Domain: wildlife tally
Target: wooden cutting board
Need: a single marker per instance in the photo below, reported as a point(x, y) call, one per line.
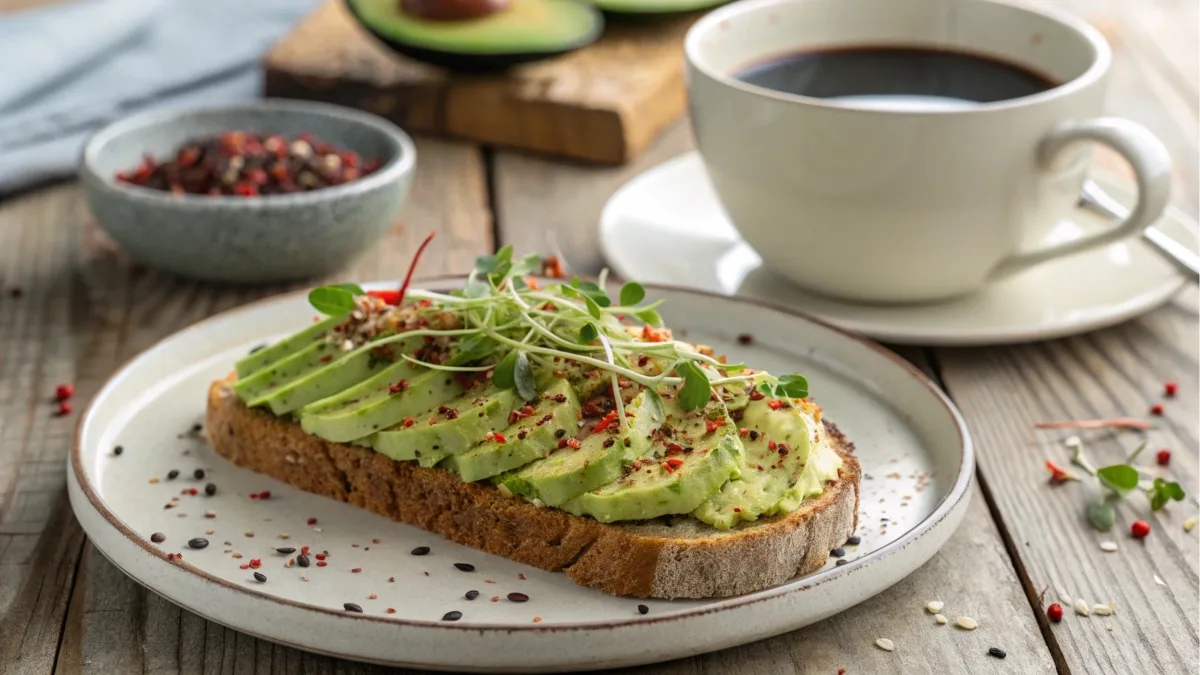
point(604, 103)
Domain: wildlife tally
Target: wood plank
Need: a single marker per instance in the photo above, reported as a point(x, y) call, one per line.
point(86, 309)
point(590, 104)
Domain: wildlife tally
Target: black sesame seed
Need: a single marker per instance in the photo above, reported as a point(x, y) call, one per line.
point(302, 560)
point(285, 550)
point(838, 552)
point(753, 435)
point(997, 652)
point(158, 537)
point(351, 607)
point(560, 433)
point(196, 428)
point(210, 489)
point(198, 542)
point(642, 609)
point(471, 595)
point(118, 450)
point(452, 616)
point(518, 597)
point(854, 541)
point(172, 474)
point(199, 474)
point(260, 577)
point(465, 567)
point(841, 561)
point(420, 550)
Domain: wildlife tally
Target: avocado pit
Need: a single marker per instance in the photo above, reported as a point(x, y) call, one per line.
point(452, 10)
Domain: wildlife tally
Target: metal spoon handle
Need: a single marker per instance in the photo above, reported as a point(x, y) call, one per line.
point(1096, 200)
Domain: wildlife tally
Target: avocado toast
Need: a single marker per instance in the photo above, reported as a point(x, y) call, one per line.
point(555, 426)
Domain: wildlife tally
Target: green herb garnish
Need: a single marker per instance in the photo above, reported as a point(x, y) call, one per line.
point(1115, 482)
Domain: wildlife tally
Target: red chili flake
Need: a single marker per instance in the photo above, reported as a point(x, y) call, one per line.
point(243, 566)
point(193, 491)
point(311, 521)
point(304, 550)
point(775, 404)
point(265, 494)
point(63, 392)
point(499, 438)
point(1170, 389)
point(674, 449)
point(756, 395)
point(737, 509)
point(1163, 457)
point(399, 387)
point(743, 432)
point(605, 422)
point(255, 563)
point(320, 556)
point(321, 563)
point(772, 445)
point(745, 339)
point(1058, 475)
point(327, 358)
point(1139, 529)
point(1156, 409)
point(552, 267)
point(356, 570)
point(573, 443)
point(408, 422)
point(712, 425)
point(841, 671)
point(671, 464)
point(389, 610)
point(64, 408)
point(562, 443)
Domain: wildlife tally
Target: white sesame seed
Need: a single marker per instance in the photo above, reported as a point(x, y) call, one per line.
point(966, 623)
point(1073, 442)
point(1102, 610)
point(1158, 580)
point(538, 503)
point(885, 644)
point(1108, 546)
point(934, 606)
point(941, 620)
point(1189, 524)
point(1081, 607)
point(503, 490)
point(1064, 597)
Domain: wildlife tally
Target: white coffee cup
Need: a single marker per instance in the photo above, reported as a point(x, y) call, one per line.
point(895, 203)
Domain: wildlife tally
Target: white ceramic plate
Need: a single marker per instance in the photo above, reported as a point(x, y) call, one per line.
point(912, 443)
point(667, 226)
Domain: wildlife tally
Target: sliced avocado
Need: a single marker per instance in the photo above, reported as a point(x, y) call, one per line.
point(688, 465)
point(777, 445)
point(464, 424)
point(368, 412)
point(503, 34)
point(654, 8)
point(555, 418)
point(265, 381)
point(334, 377)
point(568, 472)
point(261, 358)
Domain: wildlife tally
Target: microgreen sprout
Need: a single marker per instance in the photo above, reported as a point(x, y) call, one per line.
point(1117, 481)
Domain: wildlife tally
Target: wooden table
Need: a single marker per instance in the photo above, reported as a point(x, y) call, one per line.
point(84, 310)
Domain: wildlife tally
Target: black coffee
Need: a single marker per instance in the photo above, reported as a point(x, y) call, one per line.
point(907, 77)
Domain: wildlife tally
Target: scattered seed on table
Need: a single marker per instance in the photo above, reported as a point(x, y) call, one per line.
point(210, 514)
point(854, 540)
point(935, 606)
point(373, 596)
point(996, 652)
point(158, 537)
point(840, 562)
point(1108, 546)
point(199, 474)
point(838, 552)
point(210, 489)
point(237, 555)
point(452, 616)
point(1081, 607)
point(198, 542)
point(518, 597)
point(351, 607)
point(471, 595)
point(321, 563)
point(940, 619)
point(495, 598)
point(312, 521)
point(285, 550)
point(391, 611)
point(173, 474)
point(391, 580)
point(420, 550)
point(249, 533)
point(118, 450)
point(643, 609)
point(356, 570)
point(966, 623)
point(153, 480)
point(260, 577)
point(465, 567)
point(210, 532)
point(1102, 610)
point(1189, 524)
point(885, 644)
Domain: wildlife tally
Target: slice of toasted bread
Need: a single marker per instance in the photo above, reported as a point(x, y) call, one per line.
point(665, 558)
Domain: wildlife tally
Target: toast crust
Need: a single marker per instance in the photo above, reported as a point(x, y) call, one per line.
point(665, 558)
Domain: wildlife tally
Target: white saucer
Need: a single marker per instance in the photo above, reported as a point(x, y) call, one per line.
point(666, 226)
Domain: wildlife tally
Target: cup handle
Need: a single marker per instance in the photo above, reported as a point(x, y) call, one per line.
point(1151, 165)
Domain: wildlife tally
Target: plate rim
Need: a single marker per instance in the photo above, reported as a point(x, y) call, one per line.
point(1129, 308)
point(960, 489)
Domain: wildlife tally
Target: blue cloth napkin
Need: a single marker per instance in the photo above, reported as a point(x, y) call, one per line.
point(69, 69)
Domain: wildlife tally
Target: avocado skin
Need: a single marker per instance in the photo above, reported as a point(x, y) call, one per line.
point(637, 11)
point(481, 63)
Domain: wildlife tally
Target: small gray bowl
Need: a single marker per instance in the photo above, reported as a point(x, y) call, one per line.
point(247, 239)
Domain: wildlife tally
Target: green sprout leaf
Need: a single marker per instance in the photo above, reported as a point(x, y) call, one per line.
point(655, 408)
point(632, 293)
point(696, 389)
point(504, 376)
point(332, 300)
point(1162, 492)
point(592, 307)
point(354, 289)
point(649, 316)
point(523, 377)
point(1100, 514)
point(472, 349)
point(588, 333)
point(793, 386)
point(530, 264)
point(1120, 478)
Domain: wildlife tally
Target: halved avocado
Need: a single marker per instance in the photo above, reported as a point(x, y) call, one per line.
point(507, 34)
point(654, 8)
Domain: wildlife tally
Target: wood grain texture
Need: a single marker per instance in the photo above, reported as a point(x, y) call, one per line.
point(593, 104)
